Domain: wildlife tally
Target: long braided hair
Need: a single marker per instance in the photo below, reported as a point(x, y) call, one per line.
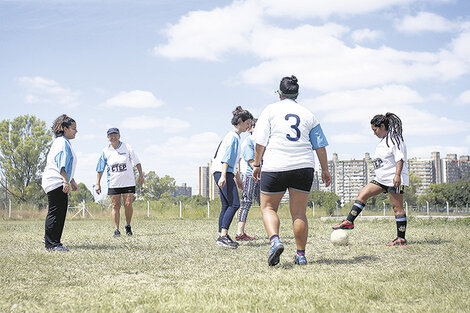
point(393, 126)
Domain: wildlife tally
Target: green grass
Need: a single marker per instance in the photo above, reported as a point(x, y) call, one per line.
point(174, 265)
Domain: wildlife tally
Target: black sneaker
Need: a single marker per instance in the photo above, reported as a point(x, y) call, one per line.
point(226, 241)
point(128, 230)
point(117, 233)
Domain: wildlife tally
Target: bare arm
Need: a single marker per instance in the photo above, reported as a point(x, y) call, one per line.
point(65, 184)
point(98, 179)
point(141, 175)
point(222, 181)
point(397, 178)
point(322, 157)
point(259, 152)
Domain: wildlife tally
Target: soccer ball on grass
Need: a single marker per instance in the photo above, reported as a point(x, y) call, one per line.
point(339, 237)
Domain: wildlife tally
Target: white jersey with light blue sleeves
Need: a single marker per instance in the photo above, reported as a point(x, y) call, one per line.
point(227, 152)
point(120, 164)
point(290, 133)
point(385, 162)
point(60, 156)
point(247, 154)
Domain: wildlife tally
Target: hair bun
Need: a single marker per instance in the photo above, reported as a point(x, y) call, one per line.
point(294, 79)
point(237, 110)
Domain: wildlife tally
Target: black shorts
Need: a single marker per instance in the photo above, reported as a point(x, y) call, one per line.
point(387, 189)
point(121, 190)
point(277, 182)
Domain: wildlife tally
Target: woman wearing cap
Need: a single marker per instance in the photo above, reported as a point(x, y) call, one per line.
point(119, 158)
point(57, 180)
point(285, 134)
point(224, 168)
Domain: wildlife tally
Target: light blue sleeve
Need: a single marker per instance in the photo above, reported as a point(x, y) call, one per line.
point(101, 163)
point(64, 160)
point(230, 155)
point(248, 152)
point(317, 138)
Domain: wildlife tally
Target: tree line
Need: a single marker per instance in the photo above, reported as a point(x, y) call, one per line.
point(25, 142)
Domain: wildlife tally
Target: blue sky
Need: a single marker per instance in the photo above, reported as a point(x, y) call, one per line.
point(169, 73)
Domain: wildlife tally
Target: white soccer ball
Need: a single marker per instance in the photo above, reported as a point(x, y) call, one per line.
point(339, 237)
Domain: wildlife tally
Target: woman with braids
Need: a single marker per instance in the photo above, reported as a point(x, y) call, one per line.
point(224, 168)
point(57, 180)
point(286, 135)
point(391, 174)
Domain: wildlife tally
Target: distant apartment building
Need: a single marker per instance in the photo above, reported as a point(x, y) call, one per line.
point(425, 170)
point(182, 190)
point(204, 177)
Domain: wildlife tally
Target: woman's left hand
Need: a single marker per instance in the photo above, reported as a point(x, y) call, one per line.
point(141, 180)
point(396, 181)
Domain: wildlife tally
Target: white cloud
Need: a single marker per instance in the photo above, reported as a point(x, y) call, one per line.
point(137, 99)
point(167, 124)
point(183, 155)
point(464, 97)
point(45, 91)
point(364, 35)
point(425, 21)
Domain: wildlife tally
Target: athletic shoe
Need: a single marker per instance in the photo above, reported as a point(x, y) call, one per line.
point(397, 242)
point(117, 233)
point(275, 252)
point(128, 230)
point(59, 248)
point(226, 241)
point(300, 259)
point(244, 237)
point(344, 225)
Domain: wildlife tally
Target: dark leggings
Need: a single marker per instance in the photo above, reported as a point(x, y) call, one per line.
point(55, 219)
point(229, 199)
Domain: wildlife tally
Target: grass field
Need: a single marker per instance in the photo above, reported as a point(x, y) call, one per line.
point(175, 266)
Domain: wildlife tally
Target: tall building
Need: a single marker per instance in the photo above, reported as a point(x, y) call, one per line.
point(424, 169)
point(204, 177)
point(350, 177)
point(436, 161)
point(182, 190)
point(464, 166)
point(450, 169)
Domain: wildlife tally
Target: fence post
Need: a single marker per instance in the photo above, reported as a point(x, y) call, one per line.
point(447, 208)
point(83, 209)
point(208, 209)
point(406, 208)
point(313, 209)
point(384, 207)
point(148, 208)
point(337, 213)
point(427, 208)
point(9, 209)
point(181, 210)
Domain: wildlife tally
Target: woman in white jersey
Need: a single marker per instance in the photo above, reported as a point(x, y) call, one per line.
point(391, 174)
point(57, 180)
point(286, 135)
point(120, 159)
point(226, 176)
point(250, 188)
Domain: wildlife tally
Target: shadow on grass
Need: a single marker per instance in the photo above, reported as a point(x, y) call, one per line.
point(354, 260)
point(429, 242)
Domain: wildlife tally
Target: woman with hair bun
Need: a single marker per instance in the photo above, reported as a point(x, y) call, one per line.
point(227, 179)
point(57, 180)
point(286, 135)
point(391, 174)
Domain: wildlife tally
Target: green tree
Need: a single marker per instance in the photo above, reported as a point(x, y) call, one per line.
point(83, 193)
point(156, 187)
point(410, 193)
point(24, 143)
point(324, 199)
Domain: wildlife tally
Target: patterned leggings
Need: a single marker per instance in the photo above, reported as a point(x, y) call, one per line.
point(250, 191)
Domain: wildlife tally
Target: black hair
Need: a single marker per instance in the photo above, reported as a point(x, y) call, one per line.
point(62, 121)
point(393, 126)
point(289, 88)
point(238, 114)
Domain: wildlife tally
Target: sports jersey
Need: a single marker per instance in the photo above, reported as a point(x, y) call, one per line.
point(60, 156)
point(385, 162)
point(289, 131)
point(120, 165)
point(227, 152)
point(247, 154)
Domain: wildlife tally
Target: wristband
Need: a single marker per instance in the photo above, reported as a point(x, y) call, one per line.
point(256, 165)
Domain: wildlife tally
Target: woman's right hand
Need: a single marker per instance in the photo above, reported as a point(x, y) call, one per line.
point(98, 189)
point(221, 182)
point(65, 187)
point(256, 174)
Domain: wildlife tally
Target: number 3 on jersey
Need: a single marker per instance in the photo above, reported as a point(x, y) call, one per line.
point(294, 126)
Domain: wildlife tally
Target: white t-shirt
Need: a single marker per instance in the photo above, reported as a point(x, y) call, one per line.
point(227, 152)
point(120, 164)
point(385, 162)
point(247, 154)
point(289, 131)
point(60, 156)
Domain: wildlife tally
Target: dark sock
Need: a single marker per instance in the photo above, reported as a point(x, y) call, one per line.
point(273, 237)
point(401, 225)
point(301, 252)
point(356, 210)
